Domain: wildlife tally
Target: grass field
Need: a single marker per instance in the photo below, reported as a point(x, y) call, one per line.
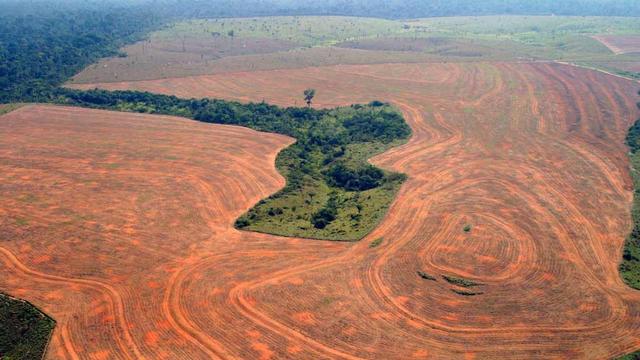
point(25, 330)
point(527, 29)
point(303, 30)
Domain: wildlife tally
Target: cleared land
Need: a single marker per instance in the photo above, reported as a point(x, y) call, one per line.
point(199, 47)
point(158, 57)
point(620, 44)
point(503, 164)
point(436, 46)
point(203, 47)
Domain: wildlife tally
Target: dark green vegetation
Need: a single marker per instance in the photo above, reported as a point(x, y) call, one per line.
point(630, 266)
point(39, 51)
point(426, 276)
point(331, 192)
point(24, 330)
point(375, 243)
point(467, 228)
point(460, 281)
point(632, 356)
point(399, 9)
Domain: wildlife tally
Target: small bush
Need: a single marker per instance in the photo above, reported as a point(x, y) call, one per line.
point(376, 242)
point(326, 215)
point(426, 276)
point(242, 223)
point(460, 281)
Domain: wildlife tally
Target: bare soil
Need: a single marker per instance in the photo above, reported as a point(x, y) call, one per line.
point(442, 46)
point(120, 225)
point(118, 70)
point(159, 58)
point(620, 44)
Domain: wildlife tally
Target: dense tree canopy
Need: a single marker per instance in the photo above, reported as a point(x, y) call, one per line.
point(39, 50)
point(401, 8)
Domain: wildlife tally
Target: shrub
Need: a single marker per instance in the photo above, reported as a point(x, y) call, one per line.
point(460, 281)
point(326, 215)
point(242, 223)
point(274, 212)
point(376, 243)
point(368, 177)
point(426, 276)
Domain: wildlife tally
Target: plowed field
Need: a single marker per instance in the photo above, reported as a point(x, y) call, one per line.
point(120, 226)
point(620, 44)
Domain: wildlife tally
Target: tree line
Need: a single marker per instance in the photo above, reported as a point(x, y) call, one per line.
point(322, 135)
point(630, 265)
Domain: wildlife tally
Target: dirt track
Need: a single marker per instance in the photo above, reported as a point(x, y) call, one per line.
point(531, 155)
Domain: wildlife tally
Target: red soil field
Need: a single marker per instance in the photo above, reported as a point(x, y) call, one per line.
point(532, 156)
point(620, 44)
point(160, 58)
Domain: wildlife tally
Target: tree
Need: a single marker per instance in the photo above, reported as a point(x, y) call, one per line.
point(309, 94)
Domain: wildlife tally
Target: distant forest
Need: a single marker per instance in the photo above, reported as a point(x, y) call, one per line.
point(43, 46)
point(403, 9)
point(394, 9)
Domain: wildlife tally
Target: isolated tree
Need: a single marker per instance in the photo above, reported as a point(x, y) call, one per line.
point(309, 94)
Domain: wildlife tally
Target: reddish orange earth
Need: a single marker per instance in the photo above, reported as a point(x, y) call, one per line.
point(120, 225)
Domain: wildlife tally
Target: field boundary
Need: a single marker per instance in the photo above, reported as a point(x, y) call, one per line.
point(11, 107)
point(594, 69)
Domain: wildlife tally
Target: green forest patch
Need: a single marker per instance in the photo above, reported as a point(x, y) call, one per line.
point(632, 356)
point(630, 265)
point(25, 330)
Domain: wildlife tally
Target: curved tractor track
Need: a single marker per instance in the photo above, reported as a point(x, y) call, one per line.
point(129, 236)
